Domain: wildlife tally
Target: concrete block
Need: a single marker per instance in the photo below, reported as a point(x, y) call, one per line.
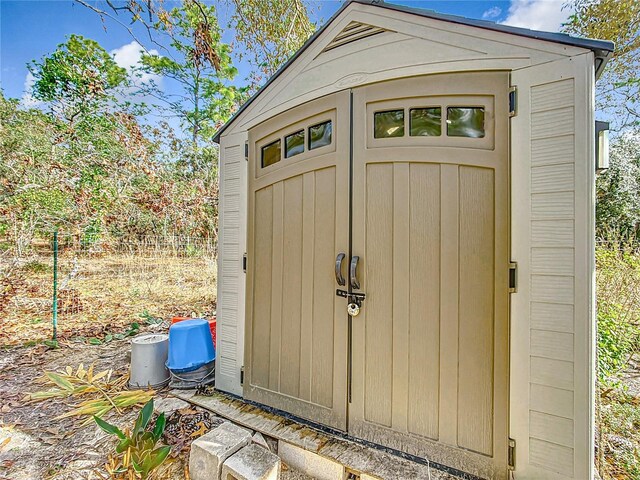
point(310, 463)
point(253, 462)
point(209, 452)
point(169, 405)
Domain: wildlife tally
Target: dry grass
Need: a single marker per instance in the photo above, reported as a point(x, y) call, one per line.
point(101, 294)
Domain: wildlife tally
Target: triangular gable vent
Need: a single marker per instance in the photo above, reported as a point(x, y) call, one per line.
point(353, 32)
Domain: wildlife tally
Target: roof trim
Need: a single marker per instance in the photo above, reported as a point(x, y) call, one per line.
point(601, 48)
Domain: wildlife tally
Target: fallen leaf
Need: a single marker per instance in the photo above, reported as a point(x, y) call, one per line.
point(201, 431)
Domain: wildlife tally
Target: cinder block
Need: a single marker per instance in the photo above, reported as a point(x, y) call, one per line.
point(310, 463)
point(253, 462)
point(169, 405)
point(209, 452)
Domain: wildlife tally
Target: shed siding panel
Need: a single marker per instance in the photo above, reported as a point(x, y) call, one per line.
point(552, 150)
point(552, 233)
point(554, 345)
point(551, 123)
point(551, 400)
point(552, 178)
point(552, 261)
point(231, 224)
point(551, 456)
point(546, 206)
point(553, 269)
point(552, 96)
point(553, 317)
point(552, 429)
point(552, 275)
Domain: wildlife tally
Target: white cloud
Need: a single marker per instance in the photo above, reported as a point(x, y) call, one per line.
point(547, 15)
point(128, 56)
point(27, 100)
point(493, 12)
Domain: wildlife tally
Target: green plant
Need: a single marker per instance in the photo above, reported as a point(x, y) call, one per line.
point(105, 394)
point(149, 318)
point(34, 266)
point(140, 444)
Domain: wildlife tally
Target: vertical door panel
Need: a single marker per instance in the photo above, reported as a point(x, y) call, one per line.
point(378, 344)
point(424, 299)
point(263, 252)
point(298, 222)
point(324, 295)
point(292, 295)
point(476, 311)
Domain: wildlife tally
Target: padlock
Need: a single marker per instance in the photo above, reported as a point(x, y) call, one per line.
point(353, 309)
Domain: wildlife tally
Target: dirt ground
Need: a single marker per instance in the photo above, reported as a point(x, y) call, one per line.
point(32, 444)
point(36, 446)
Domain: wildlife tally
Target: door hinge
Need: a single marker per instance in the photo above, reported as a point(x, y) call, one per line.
point(513, 101)
point(513, 277)
point(244, 262)
point(511, 456)
point(241, 375)
point(246, 151)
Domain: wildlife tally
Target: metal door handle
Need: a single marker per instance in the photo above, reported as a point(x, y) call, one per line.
point(339, 278)
point(353, 273)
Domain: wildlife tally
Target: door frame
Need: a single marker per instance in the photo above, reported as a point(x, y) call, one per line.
point(349, 117)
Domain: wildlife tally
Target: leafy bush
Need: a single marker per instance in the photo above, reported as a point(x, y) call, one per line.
point(618, 285)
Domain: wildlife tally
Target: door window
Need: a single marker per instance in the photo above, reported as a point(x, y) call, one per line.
point(294, 144)
point(388, 124)
point(425, 122)
point(465, 122)
point(320, 135)
point(271, 153)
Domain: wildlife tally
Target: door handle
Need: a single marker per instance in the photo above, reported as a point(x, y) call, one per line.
point(339, 278)
point(353, 276)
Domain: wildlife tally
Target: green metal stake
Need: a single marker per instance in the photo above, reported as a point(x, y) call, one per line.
point(55, 285)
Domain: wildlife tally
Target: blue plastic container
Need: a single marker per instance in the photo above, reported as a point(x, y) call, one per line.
point(190, 345)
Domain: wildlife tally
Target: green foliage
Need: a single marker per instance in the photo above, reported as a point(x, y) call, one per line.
point(142, 441)
point(269, 32)
point(202, 65)
point(618, 189)
point(616, 20)
point(78, 75)
point(618, 330)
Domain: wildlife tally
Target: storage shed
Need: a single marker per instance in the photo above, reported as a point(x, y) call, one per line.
point(407, 240)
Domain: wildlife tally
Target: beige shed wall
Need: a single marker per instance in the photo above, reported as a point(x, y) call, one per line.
point(552, 315)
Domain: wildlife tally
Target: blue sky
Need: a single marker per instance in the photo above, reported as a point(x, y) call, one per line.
point(30, 29)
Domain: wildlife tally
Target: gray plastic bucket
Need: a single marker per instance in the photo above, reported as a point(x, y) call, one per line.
point(148, 356)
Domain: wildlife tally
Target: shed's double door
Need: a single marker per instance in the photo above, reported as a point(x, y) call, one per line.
point(398, 191)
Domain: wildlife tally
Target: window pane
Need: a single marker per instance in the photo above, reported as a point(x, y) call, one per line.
point(271, 153)
point(425, 122)
point(465, 122)
point(294, 144)
point(388, 124)
point(320, 135)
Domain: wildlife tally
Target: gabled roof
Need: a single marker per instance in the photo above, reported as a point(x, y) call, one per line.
point(601, 48)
